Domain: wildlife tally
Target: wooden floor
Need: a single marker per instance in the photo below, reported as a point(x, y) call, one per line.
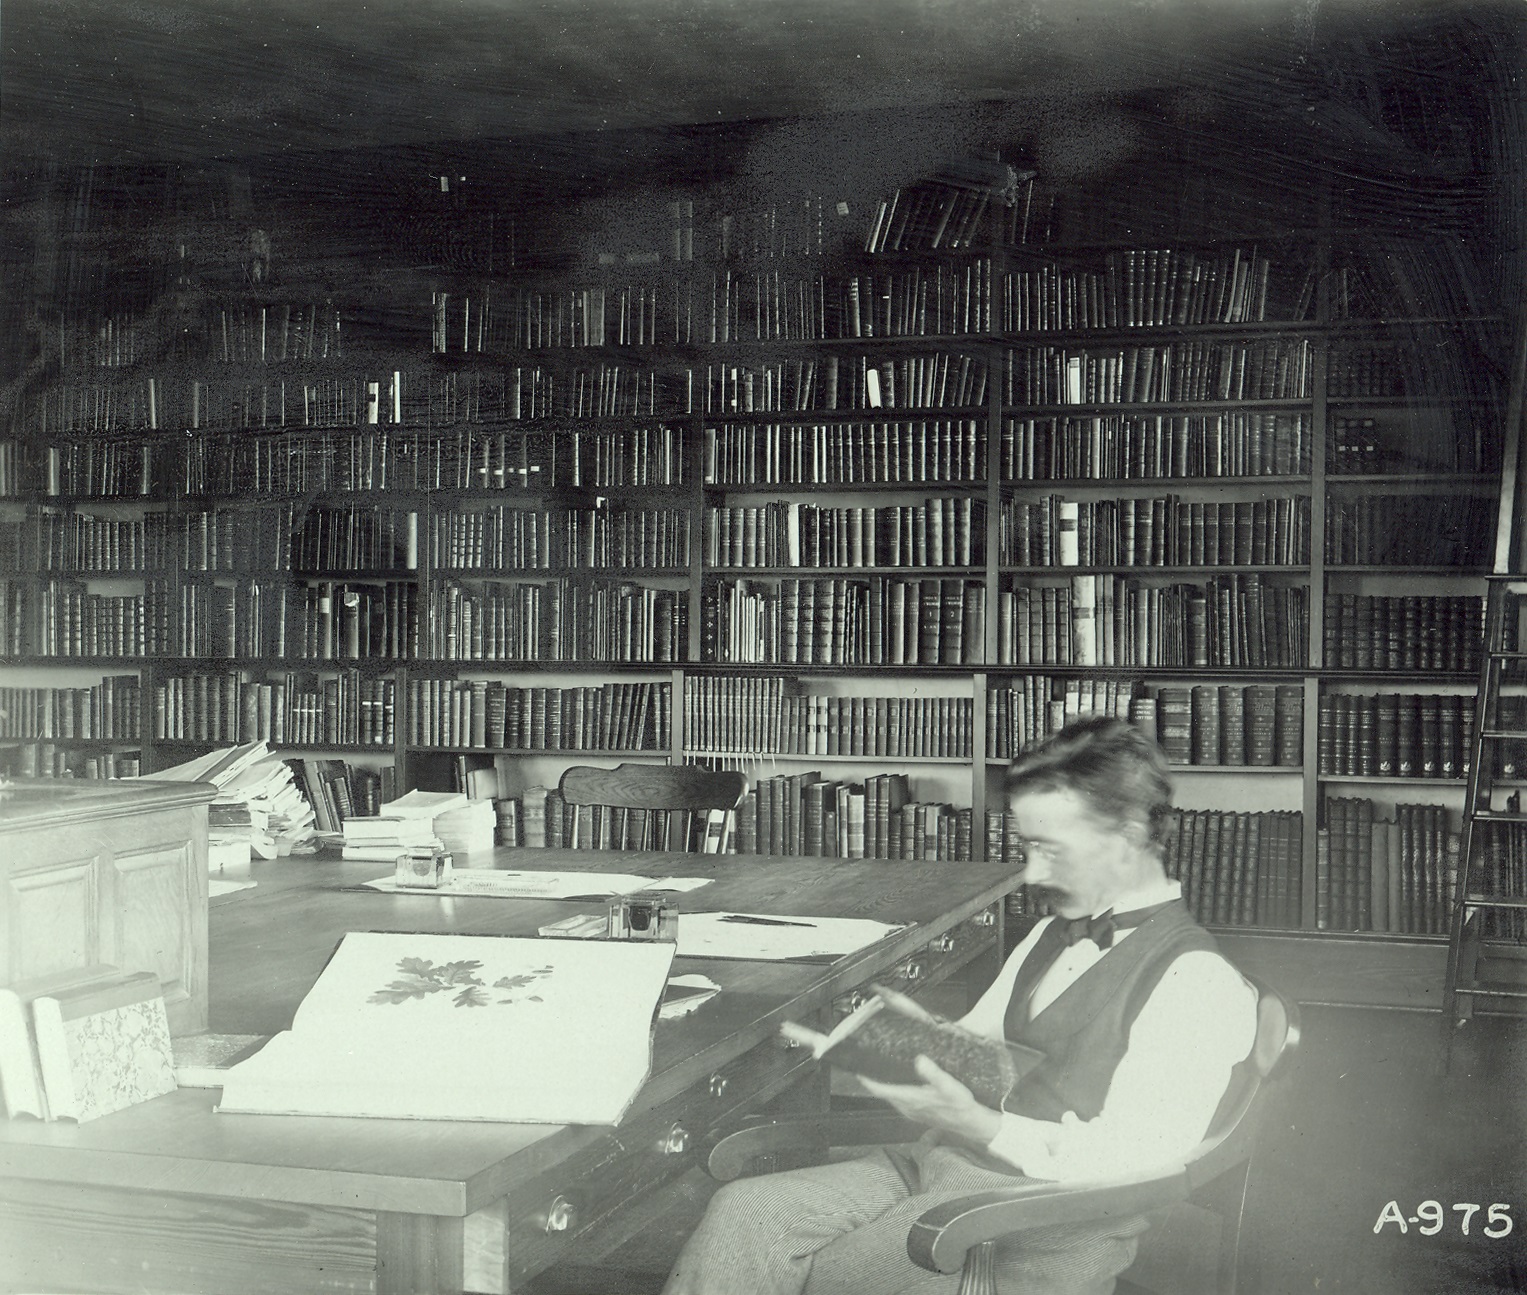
point(1369, 1120)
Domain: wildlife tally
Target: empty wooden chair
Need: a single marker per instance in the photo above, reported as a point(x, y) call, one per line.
point(710, 794)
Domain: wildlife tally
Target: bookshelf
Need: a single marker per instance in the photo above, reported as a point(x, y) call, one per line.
point(859, 504)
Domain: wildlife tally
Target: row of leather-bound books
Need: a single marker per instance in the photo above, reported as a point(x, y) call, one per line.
point(761, 715)
point(1377, 873)
point(947, 531)
point(1237, 867)
point(490, 714)
point(1236, 621)
point(1430, 632)
point(1165, 530)
point(722, 306)
point(347, 709)
point(1276, 368)
point(1403, 735)
point(460, 442)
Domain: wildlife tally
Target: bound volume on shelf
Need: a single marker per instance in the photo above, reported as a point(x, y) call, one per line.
point(879, 1042)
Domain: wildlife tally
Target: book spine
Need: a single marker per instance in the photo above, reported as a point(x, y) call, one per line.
point(53, 1058)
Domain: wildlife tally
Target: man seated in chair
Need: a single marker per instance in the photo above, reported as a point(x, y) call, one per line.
point(1140, 1021)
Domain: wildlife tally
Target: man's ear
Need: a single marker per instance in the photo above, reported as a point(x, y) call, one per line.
point(1135, 833)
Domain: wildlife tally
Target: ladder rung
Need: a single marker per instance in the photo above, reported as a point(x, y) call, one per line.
point(1499, 654)
point(1504, 733)
point(1498, 816)
point(1487, 990)
point(1512, 581)
point(1496, 901)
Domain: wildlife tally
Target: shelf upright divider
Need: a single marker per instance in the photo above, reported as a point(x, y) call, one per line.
point(992, 492)
point(1319, 451)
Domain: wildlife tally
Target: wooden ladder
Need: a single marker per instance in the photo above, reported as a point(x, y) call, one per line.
point(1489, 901)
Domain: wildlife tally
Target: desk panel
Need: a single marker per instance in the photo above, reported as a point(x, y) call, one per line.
point(56, 1236)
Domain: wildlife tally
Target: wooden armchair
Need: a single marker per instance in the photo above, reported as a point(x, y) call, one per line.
point(710, 793)
point(960, 1235)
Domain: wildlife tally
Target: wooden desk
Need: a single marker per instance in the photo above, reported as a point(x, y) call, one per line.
point(168, 1196)
point(107, 871)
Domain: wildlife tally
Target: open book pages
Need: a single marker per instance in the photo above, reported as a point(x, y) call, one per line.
point(881, 1043)
point(465, 1027)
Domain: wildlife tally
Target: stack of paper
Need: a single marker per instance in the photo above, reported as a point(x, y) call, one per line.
point(464, 826)
point(423, 804)
point(258, 809)
point(382, 839)
point(230, 836)
point(468, 830)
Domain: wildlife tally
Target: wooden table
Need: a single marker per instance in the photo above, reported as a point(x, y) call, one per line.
point(170, 1196)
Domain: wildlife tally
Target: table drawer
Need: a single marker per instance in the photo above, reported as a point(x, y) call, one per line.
point(935, 961)
point(546, 1218)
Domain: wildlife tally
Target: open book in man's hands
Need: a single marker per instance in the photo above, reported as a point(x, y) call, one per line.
point(881, 1041)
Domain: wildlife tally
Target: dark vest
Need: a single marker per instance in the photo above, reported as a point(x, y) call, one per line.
point(1083, 1033)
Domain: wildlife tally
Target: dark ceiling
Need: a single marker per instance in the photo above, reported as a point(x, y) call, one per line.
point(144, 81)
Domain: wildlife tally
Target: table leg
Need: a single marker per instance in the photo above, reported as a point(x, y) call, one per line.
point(418, 1254)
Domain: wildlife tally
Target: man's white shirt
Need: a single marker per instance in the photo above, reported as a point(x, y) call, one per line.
point(1200, 1020)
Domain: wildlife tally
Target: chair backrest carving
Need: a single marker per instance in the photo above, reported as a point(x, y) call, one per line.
point(653, 786)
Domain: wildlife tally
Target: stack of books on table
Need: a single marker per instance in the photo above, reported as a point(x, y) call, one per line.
point(464, 826)
point(381, 838)
point(258, 809)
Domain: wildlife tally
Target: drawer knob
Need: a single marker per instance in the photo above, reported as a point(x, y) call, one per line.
point(676, 1140)
point(785, 1042)
point(717, 1085)
point(912, 970)
point(986, 917)
point(944, 943)
point(561, 1215)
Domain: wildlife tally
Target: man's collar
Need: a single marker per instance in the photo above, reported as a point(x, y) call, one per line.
point(1154, 892)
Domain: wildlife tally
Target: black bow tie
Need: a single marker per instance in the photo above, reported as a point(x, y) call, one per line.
point(1101, 928)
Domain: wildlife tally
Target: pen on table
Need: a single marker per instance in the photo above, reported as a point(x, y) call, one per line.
point(764, 921)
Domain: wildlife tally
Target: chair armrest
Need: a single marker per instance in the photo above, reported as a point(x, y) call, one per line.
point(939, 1239)
point(730, 1156)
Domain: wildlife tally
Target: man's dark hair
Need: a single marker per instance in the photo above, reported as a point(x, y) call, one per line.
point(1111, 764)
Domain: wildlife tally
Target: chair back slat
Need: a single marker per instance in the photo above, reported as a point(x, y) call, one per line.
point(653, 786)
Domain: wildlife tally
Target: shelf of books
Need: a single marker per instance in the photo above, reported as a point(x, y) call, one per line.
point(858, 500)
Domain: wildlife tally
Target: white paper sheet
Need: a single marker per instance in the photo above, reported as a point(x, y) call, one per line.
point(686, 994)
point(496, 883)
point(464, 1027)
point(219, 886)
point(770, 938)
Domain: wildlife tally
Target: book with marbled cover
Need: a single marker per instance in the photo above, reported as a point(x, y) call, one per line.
point(103, 1046)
